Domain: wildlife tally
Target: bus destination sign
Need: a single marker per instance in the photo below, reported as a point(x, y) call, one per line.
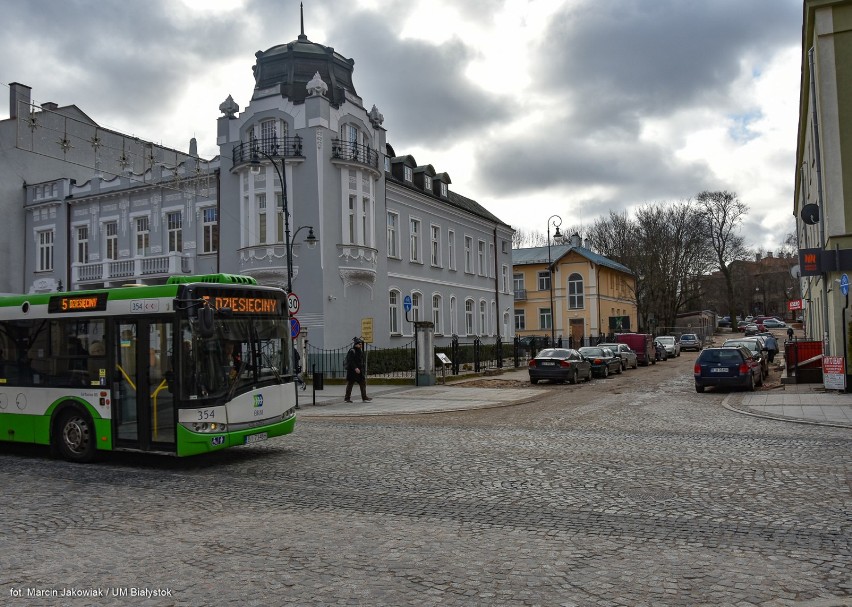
point(251, 305)
point(90, 302)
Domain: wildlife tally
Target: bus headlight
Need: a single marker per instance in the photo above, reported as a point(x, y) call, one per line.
point(206, 427)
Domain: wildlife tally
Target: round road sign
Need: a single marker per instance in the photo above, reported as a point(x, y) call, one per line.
point(295, 328)
point(292, 303)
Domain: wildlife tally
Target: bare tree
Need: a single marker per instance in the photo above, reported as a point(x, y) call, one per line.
point(724, 212)
point(522, 239)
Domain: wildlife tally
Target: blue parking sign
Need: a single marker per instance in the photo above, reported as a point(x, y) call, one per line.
point(406, 303)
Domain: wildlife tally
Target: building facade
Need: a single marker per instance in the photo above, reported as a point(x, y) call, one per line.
point(305, 158)
point(823, 178)
point(591, 295)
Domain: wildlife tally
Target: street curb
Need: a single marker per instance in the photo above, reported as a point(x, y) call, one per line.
point(780, 418)
point(425, 411)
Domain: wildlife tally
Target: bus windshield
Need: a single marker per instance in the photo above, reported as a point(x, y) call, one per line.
point(244, 352)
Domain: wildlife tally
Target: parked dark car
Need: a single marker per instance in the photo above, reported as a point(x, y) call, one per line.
point(628, 357)
point(603, 360)
point(690, 341)
point(727, 367)
point(559, 365)
point(660, 349)
point(757, 347)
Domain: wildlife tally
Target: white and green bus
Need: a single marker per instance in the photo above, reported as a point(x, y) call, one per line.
point(199, 364)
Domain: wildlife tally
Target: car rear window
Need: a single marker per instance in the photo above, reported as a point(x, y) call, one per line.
point(720, 356)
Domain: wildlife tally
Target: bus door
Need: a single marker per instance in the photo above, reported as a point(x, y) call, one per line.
point(142, 404)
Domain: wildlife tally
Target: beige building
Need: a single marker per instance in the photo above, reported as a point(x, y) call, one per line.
point(591, 295)
point(823, 194)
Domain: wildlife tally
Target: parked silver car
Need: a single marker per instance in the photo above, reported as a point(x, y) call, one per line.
point(628, 357)
point(671, 344)
point(690, 341)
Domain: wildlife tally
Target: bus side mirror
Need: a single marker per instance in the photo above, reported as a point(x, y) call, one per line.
point(205, 322)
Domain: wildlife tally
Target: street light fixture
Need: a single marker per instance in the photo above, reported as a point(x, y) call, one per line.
point(556, 221)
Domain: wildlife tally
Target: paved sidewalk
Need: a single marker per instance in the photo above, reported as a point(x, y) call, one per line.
point(802, 403)
point(401, 400)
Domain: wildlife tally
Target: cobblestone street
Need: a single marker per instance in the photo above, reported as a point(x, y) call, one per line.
point(633, 490)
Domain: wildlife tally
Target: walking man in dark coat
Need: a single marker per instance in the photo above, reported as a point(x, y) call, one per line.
point(355, 371)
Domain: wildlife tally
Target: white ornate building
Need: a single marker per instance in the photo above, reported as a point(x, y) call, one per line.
point(387, 228)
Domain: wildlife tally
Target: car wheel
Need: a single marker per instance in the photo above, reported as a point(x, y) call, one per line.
point(699, 389)
point(605, 372)
point(589, 376)
point(760, 383)
point(574, 377)
point(619, 370)
point(750, 385)
point(533, 381)
point(636, 364)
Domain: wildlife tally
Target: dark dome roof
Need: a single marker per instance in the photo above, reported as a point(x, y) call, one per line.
point(294, 64)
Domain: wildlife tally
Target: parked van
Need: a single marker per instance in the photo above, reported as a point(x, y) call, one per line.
point(642, 344)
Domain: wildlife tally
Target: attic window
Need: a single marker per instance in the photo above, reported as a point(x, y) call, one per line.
point(408, 173)
point(427, 183)
point(443, 189)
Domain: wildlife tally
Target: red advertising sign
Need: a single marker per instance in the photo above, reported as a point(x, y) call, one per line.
point(794, 304)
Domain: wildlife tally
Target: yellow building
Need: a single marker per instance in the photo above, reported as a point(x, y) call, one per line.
point(591, 295)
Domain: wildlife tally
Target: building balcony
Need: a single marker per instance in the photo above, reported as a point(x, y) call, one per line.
point(276, 147)
point(346, 152)
point(131, 270)
point(520, 294)
point(357, 264)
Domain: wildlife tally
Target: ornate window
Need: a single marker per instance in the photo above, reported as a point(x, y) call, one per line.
point(83, 244)
point(143, 237)
point(393, 309)
point(45, 251)
point(393, 234)
point(468, 317)
point(415, 240)
point(174, 223)
point(437, 314)
point(210, 222)
point(575, 292)
point(436, 246)
point(111, 229)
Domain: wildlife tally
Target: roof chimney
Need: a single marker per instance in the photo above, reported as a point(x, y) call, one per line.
point(575, 240)
point(19, 96)
point(49, 106)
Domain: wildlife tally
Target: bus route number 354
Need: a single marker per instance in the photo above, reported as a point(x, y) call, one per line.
point(205, 414)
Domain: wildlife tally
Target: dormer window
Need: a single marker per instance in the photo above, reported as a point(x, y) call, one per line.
point(408, 174)
point(443, 189)
point(427, 183)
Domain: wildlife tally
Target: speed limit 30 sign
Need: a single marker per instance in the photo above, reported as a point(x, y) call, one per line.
point(292, 303)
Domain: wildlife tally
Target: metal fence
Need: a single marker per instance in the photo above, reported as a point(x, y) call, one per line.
point(468, 356)
point(395, 362)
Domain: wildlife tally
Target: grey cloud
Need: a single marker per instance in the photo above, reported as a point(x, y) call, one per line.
point(621, 60)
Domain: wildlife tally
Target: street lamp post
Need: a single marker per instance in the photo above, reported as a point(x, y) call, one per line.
point(311, 240)
point(556, 220)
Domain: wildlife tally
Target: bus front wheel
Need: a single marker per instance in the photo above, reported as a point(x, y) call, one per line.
point(74, 436)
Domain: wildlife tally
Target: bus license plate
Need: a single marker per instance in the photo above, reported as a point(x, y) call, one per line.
point(256, 438)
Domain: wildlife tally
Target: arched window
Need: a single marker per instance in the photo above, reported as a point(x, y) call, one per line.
point(468, 317)
point(393, 309)
point(437, 314)
point(416, 302)
point(575, 292)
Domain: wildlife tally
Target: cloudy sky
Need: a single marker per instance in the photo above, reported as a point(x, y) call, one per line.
point(533, 107)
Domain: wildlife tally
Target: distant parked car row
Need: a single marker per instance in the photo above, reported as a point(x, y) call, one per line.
point(560, 365)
